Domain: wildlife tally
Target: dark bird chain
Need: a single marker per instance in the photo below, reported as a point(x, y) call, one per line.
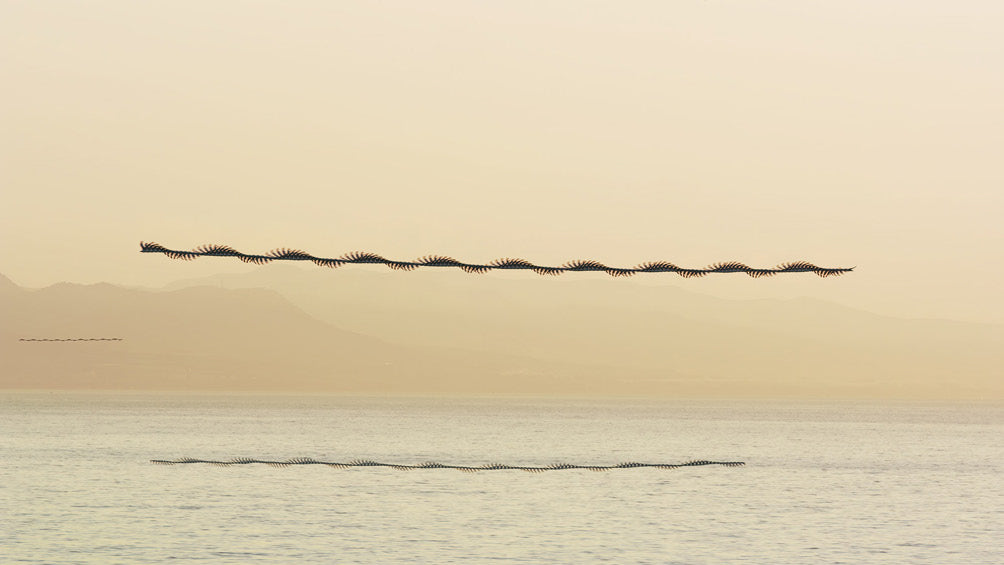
point(283, 254)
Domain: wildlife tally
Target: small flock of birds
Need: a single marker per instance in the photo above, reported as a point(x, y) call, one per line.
point(434, 465)
point(73, 339)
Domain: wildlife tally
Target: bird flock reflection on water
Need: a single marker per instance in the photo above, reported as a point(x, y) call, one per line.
point(434, 465)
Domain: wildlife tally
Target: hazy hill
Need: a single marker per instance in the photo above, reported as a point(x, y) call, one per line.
point(645, 335)
point(282, 327)
point(211, 338)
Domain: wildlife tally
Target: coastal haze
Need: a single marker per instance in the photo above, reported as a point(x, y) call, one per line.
point(853, 134)
point(867, 409)
point(360, 330)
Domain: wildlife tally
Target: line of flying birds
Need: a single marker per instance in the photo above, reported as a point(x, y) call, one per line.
point(357, 257)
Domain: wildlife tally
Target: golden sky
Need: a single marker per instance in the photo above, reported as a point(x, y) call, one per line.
point(845, 133)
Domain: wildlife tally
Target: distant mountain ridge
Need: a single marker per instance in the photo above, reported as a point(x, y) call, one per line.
point(205, 338)
point(656, 333)
point(285, 328)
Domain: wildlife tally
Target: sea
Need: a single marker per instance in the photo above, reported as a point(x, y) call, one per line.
point(823, 482)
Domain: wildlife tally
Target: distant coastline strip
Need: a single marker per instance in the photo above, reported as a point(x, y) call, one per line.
point(73, 339)
point(357, 257)
point(434, 465)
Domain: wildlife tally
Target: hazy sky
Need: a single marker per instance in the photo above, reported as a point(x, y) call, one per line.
point(846, 133)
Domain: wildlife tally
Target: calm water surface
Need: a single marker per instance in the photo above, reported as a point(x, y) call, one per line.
point(824, 482)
